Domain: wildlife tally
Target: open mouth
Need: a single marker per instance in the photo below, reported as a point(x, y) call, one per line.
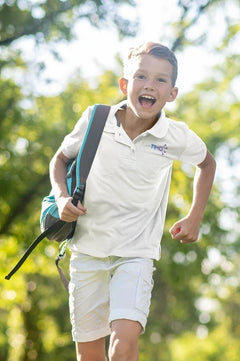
point(146, 101)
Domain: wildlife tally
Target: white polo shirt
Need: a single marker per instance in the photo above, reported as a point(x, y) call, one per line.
point(128, 185)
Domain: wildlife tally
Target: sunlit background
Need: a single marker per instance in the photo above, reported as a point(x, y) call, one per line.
point(51, 69)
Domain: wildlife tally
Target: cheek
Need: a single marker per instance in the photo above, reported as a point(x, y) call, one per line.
point(133, 88)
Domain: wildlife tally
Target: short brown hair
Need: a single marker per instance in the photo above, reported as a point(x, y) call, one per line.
point(156, 49)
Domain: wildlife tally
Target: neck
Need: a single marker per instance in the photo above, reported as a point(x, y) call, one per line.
point(133, 125)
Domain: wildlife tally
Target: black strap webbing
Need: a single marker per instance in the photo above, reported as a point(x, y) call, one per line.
point(54, 228)
point(92, 140)
point(88, 153)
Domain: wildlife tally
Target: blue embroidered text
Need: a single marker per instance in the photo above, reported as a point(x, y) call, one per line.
point(160, 148)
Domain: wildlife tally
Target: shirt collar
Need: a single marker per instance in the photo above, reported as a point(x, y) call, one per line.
point(122, 105)
point(114, 108)
point(159, 129)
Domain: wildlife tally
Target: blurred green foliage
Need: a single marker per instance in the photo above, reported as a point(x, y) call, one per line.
point(196, 300)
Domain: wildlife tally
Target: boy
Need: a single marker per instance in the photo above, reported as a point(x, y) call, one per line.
point(120, 225)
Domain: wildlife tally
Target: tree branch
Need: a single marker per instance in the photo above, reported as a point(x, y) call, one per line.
point(186, 25)
point(22, 203)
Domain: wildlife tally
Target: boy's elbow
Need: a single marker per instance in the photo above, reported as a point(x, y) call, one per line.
point(58, 159)
point(213, 163)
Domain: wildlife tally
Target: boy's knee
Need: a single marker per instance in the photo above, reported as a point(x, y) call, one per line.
point(122, 349)
point(119, 350)
point(124, 340)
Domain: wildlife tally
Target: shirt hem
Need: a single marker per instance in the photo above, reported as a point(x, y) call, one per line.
point(156, 255)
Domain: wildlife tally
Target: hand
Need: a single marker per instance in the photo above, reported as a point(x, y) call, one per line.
point(67, 211)
point(185, 230)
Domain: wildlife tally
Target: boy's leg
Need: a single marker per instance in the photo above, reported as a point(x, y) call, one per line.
point(124, 340)
point(91, 351)
point(89, 306)
point(130, 296)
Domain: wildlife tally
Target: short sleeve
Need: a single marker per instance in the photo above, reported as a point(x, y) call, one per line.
point(195, 150)
point(73, 141)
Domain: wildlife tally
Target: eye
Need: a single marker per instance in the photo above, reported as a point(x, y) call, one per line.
point(161, 80)
point(140, 76)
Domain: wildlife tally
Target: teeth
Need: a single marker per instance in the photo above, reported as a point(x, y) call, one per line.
point(148, 97)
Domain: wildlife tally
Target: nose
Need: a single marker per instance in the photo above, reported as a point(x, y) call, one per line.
point(149, 84)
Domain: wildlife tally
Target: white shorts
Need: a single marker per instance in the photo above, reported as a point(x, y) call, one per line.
point(106, 289)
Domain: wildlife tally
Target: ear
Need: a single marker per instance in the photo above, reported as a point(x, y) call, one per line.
point(123, 85)
point(173, 94)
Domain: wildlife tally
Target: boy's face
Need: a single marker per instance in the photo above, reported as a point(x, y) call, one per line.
point(149, 86)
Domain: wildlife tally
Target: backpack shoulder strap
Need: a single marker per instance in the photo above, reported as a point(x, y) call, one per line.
point(89, 147)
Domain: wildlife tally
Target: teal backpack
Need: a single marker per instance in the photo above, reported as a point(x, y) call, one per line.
point(52, 226)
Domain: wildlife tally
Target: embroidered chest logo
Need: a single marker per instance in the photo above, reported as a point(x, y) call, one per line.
point(161, 148)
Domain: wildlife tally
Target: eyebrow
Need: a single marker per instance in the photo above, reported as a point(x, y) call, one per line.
point(157, 75)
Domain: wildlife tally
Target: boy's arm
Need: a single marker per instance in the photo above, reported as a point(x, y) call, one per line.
point(187, 229)
point(67, 211)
